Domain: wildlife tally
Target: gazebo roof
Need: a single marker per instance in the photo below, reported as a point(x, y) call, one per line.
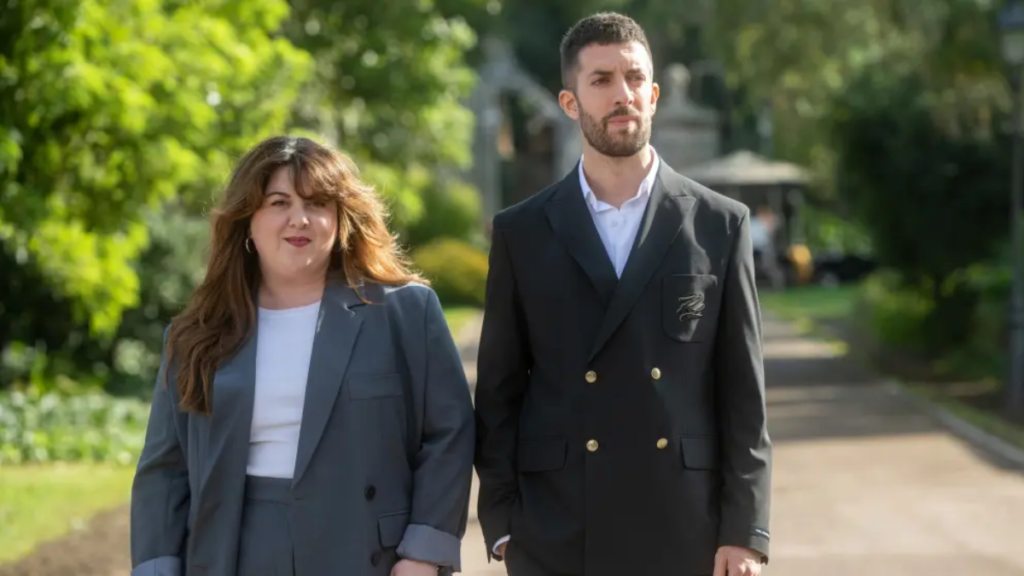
point(745, 168)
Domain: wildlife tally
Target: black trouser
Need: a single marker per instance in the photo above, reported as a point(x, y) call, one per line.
point(521, 563)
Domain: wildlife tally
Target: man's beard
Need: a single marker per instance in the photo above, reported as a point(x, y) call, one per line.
point(618, 145)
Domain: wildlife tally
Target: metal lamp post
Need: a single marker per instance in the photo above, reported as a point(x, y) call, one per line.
point(1011, 26)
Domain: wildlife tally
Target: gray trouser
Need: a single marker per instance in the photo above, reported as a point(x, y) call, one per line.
point(265, 547)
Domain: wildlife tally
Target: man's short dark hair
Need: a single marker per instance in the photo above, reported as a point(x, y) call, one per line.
point(602, 29)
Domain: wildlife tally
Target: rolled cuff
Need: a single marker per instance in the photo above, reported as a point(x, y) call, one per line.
point(428, 544)
point(162, 566)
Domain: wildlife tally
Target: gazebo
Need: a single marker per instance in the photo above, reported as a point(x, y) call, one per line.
point(761, 183)
point(757, 181)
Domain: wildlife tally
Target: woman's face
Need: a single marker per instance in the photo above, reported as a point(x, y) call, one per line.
point(293, 236)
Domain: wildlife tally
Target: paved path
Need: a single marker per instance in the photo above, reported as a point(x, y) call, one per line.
point(474, 555)
point(866, 484)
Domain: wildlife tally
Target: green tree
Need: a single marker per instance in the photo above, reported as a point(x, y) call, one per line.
point(929, 187)
point(801, 54)
point(108, 108)
point(389, 85)
point(169, 269)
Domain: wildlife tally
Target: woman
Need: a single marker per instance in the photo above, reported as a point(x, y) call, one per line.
point(311, 415)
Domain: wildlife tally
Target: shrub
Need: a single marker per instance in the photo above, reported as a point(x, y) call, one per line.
point(169, 269)
point(986, 354)
point(39, 426)
point(900, 322)
point(894, 314)
point(913, 159)
point(457, 270)
point(451, 211)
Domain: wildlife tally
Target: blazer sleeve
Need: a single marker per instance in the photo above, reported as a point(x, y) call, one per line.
point(746, 448)
point(443, 462)
point(160, 490)
point(502, 372)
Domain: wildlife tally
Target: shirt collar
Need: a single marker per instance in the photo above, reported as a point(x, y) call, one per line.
point(645, 186)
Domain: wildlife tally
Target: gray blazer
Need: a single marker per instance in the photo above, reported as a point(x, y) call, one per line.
point(385, 452)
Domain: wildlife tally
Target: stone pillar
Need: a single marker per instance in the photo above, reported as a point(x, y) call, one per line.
point(684, 133)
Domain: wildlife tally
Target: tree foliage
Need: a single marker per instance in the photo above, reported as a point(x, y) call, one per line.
point(120, 120)
point(390, 78)
point(535, 28)
point(800, 55)
point(110, 107)
point(933, 192)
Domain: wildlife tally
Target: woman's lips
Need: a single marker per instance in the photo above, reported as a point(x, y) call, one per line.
point(297, 241)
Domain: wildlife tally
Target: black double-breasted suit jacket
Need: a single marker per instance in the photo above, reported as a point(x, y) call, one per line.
point(621, 421)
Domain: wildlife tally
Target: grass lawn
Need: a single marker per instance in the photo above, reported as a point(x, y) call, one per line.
point(41, 502)
point(810, 303)
point(458, 316)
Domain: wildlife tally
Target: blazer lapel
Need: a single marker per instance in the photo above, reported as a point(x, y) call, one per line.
point(224, 459)
point(572, 223)
point(230, 423)
point(664, 216)
point(336, 330)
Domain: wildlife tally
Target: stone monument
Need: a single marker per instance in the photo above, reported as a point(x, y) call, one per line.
point(499, 74)
point(684, 133)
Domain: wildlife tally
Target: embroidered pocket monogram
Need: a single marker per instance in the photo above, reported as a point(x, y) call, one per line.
point(690, 306)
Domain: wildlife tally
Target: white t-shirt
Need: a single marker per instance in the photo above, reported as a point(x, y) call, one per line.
point(283, 351)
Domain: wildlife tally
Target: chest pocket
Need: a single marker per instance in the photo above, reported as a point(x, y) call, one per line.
point(689, 306)
point(371, 386)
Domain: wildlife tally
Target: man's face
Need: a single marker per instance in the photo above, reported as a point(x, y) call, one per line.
point(615, 98)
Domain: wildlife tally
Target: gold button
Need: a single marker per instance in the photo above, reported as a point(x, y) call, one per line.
point(662, 443)
point(592, 445)
point(655, 373)
point(591, 376)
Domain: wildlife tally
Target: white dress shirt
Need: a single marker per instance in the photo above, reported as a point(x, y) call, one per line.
point(283, 352)
point(616, 226)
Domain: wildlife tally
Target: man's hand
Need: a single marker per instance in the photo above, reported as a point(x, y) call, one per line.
point(736, 561)
point(413, 568)
point(501, 549)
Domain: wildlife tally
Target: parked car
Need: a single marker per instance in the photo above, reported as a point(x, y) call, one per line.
point(835, 268)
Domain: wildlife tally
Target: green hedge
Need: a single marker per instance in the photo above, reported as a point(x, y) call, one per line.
point(892, 314)
point(456, 269)
point(898, 320)
point(451, 210)
point(50, 426)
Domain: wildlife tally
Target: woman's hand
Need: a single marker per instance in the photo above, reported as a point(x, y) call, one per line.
point(413, 568)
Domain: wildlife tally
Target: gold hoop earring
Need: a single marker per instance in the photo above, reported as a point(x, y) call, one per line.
point(248, 245)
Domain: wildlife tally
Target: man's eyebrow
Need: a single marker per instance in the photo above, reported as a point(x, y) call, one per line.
point(633, 70)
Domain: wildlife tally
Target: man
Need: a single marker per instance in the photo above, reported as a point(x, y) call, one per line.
point(762, 238)
point(620, 395)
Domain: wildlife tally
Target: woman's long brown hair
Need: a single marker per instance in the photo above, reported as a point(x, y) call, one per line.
point(221, 314)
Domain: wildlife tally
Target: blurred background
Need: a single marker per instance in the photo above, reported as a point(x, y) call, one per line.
point(877, 143)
